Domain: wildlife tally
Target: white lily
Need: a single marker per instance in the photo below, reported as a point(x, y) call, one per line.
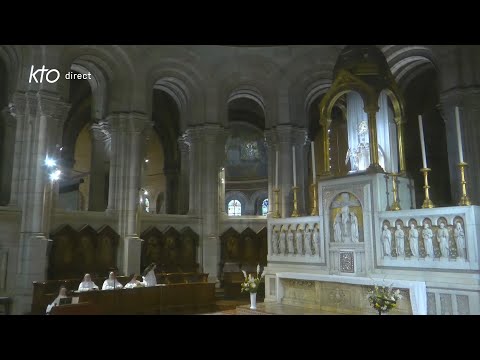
point(244, 274)
point(258, 269)
point(263, 273)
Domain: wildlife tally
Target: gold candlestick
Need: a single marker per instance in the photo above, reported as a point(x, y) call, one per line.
point(464, 200)
point(395, 205)
point(295, 202)
point(315, 203)
point(427, 203)
point(276, 212)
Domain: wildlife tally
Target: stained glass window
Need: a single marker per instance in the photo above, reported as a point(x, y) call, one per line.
point(249, 151)
point(234, 208)
point(265, 207)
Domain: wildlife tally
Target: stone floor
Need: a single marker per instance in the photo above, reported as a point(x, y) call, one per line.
point(270, 309)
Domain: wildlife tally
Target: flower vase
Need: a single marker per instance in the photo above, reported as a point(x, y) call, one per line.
point(253, 301)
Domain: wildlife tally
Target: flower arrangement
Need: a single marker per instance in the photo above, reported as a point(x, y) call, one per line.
point(251, 283)
point(383, 298)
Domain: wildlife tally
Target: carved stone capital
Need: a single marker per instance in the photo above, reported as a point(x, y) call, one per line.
point(8, 116)
point(133, 122)
point(100, 131)
point(50, 105)
point(291, 134)
point(183, 143)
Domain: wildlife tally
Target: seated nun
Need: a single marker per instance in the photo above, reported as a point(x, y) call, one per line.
point(62, 294)
point(134, 283)
point(111, 283)
point(149, 278)
point(87, 284)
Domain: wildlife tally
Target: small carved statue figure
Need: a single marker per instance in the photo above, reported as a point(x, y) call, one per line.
point(283, 244)
point(400, 240)
point(299, 241)
point(413, 240)
point(354, 227)
point(427, 235)
point(442, 238)
point(316, 241)
point(275, 246)
point(387, 241)
point(291, 247)
point(307, 245)
point(337, 229)
point(459, 236)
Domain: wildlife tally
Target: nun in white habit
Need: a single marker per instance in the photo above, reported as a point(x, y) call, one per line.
point(149, 278)
point(62, 294)
point(111, 283)
point(87, 284)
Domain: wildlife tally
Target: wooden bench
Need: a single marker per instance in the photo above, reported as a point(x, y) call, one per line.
point(44, 292)
point(160, 299)
point(232, 286)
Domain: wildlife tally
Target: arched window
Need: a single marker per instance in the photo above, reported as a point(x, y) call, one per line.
point(265, 207)
point(234, 208)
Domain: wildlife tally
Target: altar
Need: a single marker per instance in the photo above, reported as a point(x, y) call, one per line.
point(346, 294)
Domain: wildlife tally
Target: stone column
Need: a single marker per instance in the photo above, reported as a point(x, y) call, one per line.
point(127, 130)
point(288, 136)
point(372, 138)
point(192, 138)
point(100, 136)
point(172, 184)
point(40, 119)
point(468, 101)
point(6, 163)
point(184, 193)
point(272, 147)
point(400, 125)
point(207, 151)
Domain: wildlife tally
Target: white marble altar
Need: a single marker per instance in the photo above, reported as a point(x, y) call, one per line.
point(417, 289)
point(452, 282)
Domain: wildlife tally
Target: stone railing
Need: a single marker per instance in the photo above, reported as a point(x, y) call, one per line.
point(439, 238)
point(296, 240)
point(240, 223)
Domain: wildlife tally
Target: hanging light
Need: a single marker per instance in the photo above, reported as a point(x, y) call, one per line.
point(50, 162)
point(55, 175)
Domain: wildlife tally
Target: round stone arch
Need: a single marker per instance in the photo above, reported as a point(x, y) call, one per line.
point(184, 84)
point(12, 59)
point(248, 76)
point(112, 75)
point(408, 61)
point(236, 195)
point(256, 200)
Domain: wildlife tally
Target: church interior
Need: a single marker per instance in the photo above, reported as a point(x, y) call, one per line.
point(239, 180)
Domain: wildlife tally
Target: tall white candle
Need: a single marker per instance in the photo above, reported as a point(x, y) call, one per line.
point(314, 169)
point(294, 167)
point(422, 141)
point(459, 135)
point(276, 169)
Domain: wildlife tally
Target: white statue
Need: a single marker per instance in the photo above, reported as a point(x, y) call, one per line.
point(275, 245)
point(400, 240)
point(337, 234)
point(427, 235)
point(299, 240)
point(442, 238)
point(354, 227)
point(459, 236)
point(387, 241)
point(345, 213)
point(307, 245)
point(316, 241)
point(147, 205)
point(413, 240)
point(282, 247)
point(291, 248)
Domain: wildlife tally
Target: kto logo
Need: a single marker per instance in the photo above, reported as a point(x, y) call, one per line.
point(51, 78)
